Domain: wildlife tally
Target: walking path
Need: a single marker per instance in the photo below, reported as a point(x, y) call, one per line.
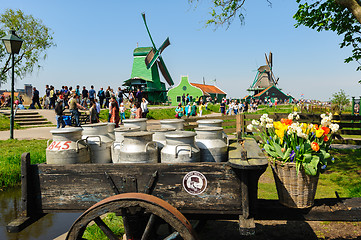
point(44, 132)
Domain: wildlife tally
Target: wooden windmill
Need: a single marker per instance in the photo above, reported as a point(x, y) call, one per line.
point(145, 74)
point(264, 77)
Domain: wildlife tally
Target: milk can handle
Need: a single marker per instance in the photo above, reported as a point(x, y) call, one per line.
point(185, 145)
point(151, 142)
point(77, 144)
point(100, 140)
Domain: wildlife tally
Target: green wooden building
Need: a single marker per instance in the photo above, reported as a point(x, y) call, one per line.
point(194, 90)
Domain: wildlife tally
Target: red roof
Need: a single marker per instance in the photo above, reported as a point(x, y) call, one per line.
point(260, 93)
point(208, 89)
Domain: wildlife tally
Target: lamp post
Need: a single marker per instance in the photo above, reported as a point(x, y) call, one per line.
point(12, 44)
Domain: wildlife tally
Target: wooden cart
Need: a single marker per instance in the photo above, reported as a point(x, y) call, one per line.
point(157, 200)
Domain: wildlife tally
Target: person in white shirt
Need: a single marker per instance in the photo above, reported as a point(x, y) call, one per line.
point(144, 107)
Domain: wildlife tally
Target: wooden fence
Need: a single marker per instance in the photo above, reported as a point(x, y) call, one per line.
point(237, 124)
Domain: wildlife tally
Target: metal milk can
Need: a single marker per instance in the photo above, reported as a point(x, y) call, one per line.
point(159, 137)
point(138, 122)
point(99, 141)
point(138, 147)
point(212, 145)
point(67, 147)
point(180, 147)
point(119, 139)
point(210, 123)
point(178, 124)
point(111, 127)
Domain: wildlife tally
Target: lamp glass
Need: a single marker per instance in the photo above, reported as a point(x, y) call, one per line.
point(12, 46)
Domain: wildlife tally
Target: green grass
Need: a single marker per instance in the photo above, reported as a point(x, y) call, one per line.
point(115, 223)
point(5, 123)
point(10, 159)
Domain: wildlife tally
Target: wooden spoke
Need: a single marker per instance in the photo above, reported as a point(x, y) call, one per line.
point(140, 213)
point(105, 229)
point(150, 227)
point(174, 235)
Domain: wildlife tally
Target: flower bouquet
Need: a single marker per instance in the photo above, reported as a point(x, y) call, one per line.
point(299, 152)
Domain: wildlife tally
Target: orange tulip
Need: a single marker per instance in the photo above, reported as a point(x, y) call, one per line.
point(325, 139)
point(315, 147)
point(326, 130)
point(286, 121)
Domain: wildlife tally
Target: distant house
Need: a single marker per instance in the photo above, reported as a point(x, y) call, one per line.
point(272, 92)
point(194, 90)
point(211, 91)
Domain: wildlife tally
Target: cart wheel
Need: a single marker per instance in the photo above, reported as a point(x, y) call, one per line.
point(144, 217)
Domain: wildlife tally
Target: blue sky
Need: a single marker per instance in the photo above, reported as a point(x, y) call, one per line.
point(95, 41)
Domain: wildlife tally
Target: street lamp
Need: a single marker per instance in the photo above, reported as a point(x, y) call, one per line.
point(12, 44)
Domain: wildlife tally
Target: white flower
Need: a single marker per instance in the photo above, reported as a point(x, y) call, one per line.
point(290, 116)
point(269, 125)
point(334, 127)
point(250, 127)
point(323, 115)
point(255, 122)
point(269, 120)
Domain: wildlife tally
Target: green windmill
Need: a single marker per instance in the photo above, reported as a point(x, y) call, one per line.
point(145, 74)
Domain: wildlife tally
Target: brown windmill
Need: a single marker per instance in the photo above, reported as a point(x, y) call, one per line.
point(264, 77)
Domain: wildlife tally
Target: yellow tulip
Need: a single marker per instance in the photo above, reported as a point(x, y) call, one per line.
point(319, 133)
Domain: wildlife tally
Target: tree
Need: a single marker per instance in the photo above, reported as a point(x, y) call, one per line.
point(332, 16)
point(340, 16)
point(37, 39)
point(340, 99)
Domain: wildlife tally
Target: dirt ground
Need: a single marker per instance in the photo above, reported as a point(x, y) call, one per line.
point(288, 230)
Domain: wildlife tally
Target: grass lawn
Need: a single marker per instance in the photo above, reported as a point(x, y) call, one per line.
point(10, 159)
point(5, 123)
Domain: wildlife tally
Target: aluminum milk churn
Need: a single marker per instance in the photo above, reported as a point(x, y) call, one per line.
point(119, 139)
point(178, 124)
point(159, 137)
point(67, 147)
point(99, 141)
point(210, 123)
point(138, 147)
point(111, 127)
point(210, 142)
point(138, 122)
point(180, 147)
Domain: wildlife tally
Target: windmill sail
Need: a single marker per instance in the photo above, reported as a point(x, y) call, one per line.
point(154, 56)
point(164, 71)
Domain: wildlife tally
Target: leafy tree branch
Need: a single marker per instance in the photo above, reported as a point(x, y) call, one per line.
point(37, 39)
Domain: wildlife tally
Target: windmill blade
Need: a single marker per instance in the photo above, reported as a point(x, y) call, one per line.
point(165, 44)
point(270, 58)
point(151, 58)
point(145, 23)
point(266, 59)
point(277, 81)
point(164, 71)
point(273, 77)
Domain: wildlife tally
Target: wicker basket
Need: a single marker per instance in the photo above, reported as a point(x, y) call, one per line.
point(294, 190)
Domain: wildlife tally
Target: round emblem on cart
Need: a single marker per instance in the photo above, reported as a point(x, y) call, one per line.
point(194, 183)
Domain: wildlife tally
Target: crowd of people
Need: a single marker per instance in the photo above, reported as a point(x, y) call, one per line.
point(92, 100)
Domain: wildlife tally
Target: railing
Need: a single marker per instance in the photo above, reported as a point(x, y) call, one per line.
point(237, 124)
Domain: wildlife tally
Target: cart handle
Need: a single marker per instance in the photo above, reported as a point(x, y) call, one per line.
point(185, 145)
point(100, 140)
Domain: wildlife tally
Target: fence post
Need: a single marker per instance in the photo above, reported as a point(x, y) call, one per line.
point(240, 124)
